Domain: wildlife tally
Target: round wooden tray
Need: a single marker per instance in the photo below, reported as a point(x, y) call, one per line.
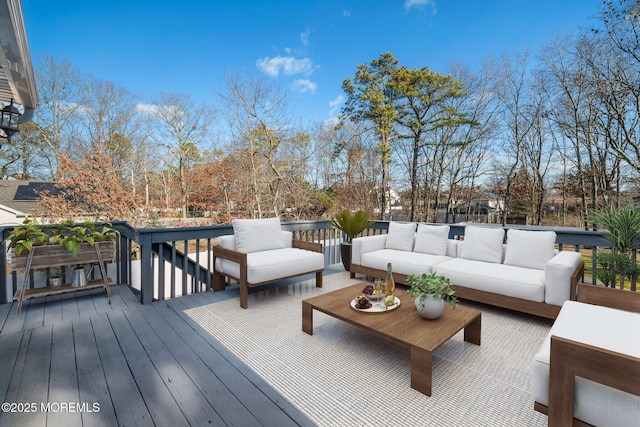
point(376, 308)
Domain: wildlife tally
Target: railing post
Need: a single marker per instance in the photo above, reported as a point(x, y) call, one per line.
point(124, 259)
point(146, 269)
point(4, 283)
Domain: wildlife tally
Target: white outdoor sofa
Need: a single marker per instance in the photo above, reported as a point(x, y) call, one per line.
point(587, 371)
point(525, 274)
point(259, 252)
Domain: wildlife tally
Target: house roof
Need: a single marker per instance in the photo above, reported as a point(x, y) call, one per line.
point(16, 71)
point(21, 195)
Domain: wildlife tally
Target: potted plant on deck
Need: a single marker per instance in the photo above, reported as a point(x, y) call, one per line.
point(622, 230)
point(351, 226)
point(431, 292)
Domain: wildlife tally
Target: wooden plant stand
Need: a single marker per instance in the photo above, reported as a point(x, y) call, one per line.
point(40, 257)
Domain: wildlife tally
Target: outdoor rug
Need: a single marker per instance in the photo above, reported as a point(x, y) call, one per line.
point(345, 376)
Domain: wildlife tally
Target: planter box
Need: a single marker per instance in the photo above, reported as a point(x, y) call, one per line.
point(58, 255)
point(40, 257)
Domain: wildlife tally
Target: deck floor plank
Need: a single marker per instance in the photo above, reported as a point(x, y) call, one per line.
point(52, 310)
point(34, 313)
point(216, 392)
point(5, 311)
point(127, 401)
point(13, 392)
point(63, 378)
point(192, 401)
point(158, 400)
point(272, 406)
point(92, 383)
point(69, 307)
point(142, 364)
point(35, 378)
point(9, 349)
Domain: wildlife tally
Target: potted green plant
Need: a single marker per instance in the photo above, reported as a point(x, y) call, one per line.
point(622, 230)
point(55, 277)
point(431, 292)
point(351, 226)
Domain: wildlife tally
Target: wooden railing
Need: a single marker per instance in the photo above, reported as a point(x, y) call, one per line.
point(170, 262)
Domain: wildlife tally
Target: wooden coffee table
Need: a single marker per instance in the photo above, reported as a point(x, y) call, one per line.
point(403, 326)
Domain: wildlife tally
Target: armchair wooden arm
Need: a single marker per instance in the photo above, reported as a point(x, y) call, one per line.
point(309, 246)
point(609, 297)
point(230, 255)
point(570, 359)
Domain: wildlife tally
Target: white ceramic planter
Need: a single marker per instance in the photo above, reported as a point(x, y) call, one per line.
point(433, 307)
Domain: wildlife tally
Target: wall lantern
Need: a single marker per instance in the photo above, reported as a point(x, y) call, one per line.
point(9, 120)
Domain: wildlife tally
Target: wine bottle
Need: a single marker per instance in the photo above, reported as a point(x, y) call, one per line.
point(389, 288)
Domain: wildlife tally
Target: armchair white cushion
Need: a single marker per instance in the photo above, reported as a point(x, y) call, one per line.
point(605, 328)
point(260, 252)
point(254, 235)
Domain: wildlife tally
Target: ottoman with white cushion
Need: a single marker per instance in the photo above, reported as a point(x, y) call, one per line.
point(604, 328)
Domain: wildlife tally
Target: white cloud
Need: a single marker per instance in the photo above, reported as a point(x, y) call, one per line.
point(421, 5)
point(304, 37)
point(304, 86)
point(147, 109)
point(336, 101)
point(287, 65)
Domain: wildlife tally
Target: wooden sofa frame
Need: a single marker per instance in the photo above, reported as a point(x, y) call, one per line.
point(241, 259)
point(541, 309)
point(570, 359)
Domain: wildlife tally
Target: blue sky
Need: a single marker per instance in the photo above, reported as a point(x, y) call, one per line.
point(154, 46)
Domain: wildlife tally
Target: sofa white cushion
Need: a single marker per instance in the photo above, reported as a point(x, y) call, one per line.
point(400, 236)
point(482, 244)
point(497, 278)
point(603, 327)
point(362, 245)
point(254, 235)
point(558, 271)
point(403, 262)
point(265, 266)
point(432, 239)
point(530, 249)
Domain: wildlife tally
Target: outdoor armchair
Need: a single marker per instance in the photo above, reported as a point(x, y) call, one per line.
point(259, 252)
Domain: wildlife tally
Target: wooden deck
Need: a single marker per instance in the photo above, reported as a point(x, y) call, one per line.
point(73, 360)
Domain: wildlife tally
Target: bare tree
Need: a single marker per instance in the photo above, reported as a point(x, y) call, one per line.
point(59, 90)
point(257, 111)
point(511, 89)
point(181, 128)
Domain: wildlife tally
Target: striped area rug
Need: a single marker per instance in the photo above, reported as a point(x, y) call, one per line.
point(344, 376)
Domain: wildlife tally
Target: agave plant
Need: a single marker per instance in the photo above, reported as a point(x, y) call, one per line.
point(622, 230)
point(351, 225)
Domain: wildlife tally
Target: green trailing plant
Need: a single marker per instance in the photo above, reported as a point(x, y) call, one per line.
point(431, 284)
point(68, 233)
point(351, 225)
point(622, 230)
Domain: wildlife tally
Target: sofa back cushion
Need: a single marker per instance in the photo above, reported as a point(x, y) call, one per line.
point(255, 235)
point(482, 244)
point(529, 249)
point(432, 239)
point(400, 236)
